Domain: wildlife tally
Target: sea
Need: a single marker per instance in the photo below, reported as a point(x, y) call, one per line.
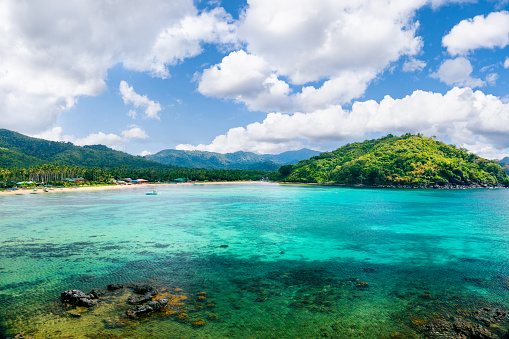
point(252, 260)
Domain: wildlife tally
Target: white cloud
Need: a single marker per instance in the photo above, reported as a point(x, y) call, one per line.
point(117, 142)
point(132, 113)
point(134, 132)
point(299, 42)
point(480, 32)
point(460, 115)
point(129, 96)
point(491, 79)
point(413, 65)
point(437, 3)
point(184, 40)
point(456, 72)
point(55, 51)
point(506, 62)
point(54, 134)
point(111, 140)
point(144, 153)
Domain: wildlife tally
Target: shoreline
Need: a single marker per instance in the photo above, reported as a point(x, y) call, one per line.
point(120, 187)
point(395, 186)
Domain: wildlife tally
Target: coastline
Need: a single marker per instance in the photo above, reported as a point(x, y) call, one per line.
point(395, 186)
point(119, 187)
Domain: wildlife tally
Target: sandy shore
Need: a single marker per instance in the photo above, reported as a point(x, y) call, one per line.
point(118, 187)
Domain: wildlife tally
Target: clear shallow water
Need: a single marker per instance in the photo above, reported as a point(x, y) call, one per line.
point(295, 258)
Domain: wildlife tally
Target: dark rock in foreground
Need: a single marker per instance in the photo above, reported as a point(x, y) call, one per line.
point(77, 298)
point(478, 325)
point(151, 306)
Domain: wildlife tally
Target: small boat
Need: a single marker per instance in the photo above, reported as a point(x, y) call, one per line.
point(154, 192)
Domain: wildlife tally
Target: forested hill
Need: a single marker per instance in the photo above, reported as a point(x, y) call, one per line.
point(237, 160)
point(22, 151)
point(391, 160)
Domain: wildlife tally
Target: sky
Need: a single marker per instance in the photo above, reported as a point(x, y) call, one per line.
point(257, 75)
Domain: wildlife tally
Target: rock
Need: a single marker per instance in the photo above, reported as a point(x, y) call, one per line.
point(151, 306)
point(95, 293)
point(223, 246)
point(143, 288)
point(113, 287)
point(488, 315)
point(75, 315)
point(457, 328)
point(77, 298)
point(136, 300)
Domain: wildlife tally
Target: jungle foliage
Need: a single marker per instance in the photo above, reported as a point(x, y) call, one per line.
point(392, 160)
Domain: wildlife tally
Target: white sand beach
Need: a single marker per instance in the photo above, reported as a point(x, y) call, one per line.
point(117, 187)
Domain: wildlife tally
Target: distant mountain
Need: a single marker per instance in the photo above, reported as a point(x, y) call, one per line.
point(237, 160)
point(23, 151)
point(391, 160)
point(504, 161)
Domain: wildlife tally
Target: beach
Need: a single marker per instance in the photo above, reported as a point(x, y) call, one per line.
point(117, 187)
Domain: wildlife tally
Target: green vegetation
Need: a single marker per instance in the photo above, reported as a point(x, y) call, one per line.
point(59, 175)
point(23, 158)
point(237, 160)
point(391, 160)
point(22, 151)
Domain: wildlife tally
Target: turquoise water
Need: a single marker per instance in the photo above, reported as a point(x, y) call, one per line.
point(295, 266)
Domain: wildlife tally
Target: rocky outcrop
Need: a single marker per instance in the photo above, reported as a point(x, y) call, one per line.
point(477, 325)
point(77, 298)
point(151, 306)
point(145, 293)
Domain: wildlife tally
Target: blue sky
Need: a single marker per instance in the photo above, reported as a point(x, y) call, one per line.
point(258, 75)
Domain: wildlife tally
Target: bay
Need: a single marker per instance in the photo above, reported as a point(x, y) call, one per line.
point(253, 260)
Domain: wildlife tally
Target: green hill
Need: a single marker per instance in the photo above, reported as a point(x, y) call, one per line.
point(237, 160)
point(391, 160)
point(22, 151)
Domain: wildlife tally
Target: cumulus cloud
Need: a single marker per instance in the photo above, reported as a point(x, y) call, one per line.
point(506, 62)
point(129, 96)
point(456, 72)
point(111, 140)
point(184, 40)
point(53, 52)
point(413, 65)
point(134, 132)
point(460, 115)
point(480, 32)
point(295, 43)
point(144, 153)
point(117, 142)
point(54, 134)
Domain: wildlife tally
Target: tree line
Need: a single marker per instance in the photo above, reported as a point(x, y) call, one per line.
point(56, 174)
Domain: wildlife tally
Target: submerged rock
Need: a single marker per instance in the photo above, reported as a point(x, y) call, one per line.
point(151, 306)
point(140, 299)
point(143, 288)
point(77, 298)
point(95, 293)
point(457, 328)
point(488, 315)
point(113, 287)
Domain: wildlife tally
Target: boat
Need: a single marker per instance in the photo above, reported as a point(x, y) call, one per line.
point(154, 192)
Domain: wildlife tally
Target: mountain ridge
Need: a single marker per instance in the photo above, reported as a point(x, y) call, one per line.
point(235, 160)
point(19, 150)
